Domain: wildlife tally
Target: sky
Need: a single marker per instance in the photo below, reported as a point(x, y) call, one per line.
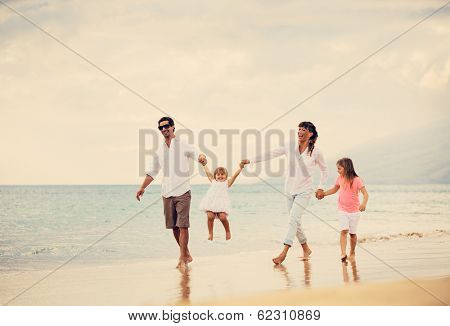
point(211, 65)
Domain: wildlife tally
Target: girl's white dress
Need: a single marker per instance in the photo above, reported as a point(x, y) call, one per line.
point(216, 199)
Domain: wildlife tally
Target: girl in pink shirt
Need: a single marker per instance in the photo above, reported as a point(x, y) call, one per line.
point(349, 207)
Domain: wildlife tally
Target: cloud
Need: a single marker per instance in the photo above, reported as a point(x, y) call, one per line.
point(437, 76)
point(209, 64)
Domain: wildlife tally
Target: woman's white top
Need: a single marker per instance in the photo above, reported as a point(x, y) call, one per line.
point(300, 167)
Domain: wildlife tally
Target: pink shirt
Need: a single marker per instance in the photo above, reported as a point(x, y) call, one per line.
point(348, 197)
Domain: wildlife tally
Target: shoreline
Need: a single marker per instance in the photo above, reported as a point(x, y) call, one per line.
point(248, 278)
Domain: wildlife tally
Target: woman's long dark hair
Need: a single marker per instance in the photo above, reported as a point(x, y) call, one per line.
point(349, 170)
point(311, 128)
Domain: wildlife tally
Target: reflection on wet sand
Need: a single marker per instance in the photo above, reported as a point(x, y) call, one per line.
point(307, 270)
point(185, 289)
point(283, 270)
point(288, 280)
point(345, 274)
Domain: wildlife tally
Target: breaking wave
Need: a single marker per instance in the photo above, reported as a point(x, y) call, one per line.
point(402, 235)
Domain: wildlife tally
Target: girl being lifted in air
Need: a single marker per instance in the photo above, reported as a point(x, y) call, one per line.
point(216, 202)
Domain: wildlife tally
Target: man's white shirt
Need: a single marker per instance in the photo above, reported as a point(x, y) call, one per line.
point(174, 162)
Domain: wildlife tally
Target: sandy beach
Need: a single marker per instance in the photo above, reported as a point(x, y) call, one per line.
point(400, 293)
point(245, 279)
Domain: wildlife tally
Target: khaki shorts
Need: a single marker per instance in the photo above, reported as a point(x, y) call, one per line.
point(176, 211)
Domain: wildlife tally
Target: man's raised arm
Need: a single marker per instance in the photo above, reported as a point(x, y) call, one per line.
point(193, 153)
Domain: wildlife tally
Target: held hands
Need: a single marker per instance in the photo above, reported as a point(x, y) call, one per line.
point(243, 163)
point(202, 159)
point(320, 194)
point(362, 207)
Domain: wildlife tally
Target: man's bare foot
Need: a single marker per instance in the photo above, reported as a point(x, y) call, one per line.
point(210, 237)
point(306, 255)
point(278, 260)
point(189, 259)
point(228, 235)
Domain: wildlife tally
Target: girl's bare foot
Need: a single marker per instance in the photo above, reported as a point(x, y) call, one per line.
point(228, 235)
point(306, 254)
point(278, 260)
point(210, 237)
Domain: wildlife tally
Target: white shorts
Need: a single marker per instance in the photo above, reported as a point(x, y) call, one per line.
point(349, 221)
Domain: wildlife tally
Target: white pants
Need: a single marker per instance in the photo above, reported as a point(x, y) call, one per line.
point(296, 205)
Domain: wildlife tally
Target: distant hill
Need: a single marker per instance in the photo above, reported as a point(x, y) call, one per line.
point(420, 157)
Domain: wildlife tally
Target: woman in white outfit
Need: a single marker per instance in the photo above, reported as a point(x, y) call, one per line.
point(302, 157)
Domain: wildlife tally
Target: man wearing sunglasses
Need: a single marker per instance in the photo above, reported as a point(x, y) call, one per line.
point(173, 158)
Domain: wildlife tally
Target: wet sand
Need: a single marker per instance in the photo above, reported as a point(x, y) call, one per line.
point(248, 278)
point(425, 292)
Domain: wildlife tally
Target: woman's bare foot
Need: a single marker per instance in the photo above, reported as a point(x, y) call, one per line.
point(210, 237)
point(280, 267)
point(228, 235)
point(306, 254)
point(278, 260)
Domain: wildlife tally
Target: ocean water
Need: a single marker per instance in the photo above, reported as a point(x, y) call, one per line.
point(41, 227)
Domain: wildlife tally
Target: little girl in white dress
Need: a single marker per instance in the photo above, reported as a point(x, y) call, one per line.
point(216, 202)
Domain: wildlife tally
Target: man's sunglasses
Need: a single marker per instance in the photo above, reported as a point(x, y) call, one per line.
point(164, 127)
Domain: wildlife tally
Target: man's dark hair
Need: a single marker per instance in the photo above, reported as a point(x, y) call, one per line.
point(169, 119)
